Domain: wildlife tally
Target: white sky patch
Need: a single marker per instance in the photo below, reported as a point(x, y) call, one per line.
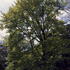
point(4, 7)
point(63, 16)
point(5, 4)
point(3, 33)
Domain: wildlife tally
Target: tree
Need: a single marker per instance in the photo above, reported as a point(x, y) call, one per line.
point(35, 40)
point(3, 55)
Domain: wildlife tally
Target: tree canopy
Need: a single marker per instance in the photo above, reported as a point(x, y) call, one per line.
point(37, 39)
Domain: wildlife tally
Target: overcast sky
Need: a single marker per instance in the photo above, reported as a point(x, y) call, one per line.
point(4, 6)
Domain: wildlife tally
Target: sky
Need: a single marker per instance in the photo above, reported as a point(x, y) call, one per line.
point(4, 7)
point(5, 4)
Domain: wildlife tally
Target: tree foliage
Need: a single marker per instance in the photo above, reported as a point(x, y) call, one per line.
point(36, 37)
point(3, 56)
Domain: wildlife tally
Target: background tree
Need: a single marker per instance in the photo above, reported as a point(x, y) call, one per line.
point(3, 56)
point(36, 36)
